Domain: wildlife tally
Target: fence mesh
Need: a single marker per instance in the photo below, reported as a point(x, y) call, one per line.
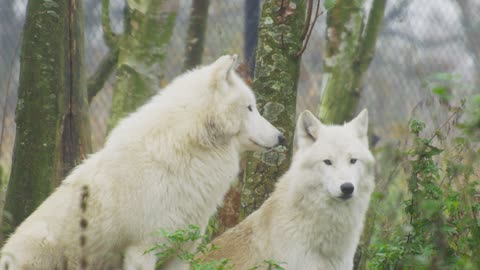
point(419, 38)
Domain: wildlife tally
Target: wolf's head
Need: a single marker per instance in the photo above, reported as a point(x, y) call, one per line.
point(334, 161)
point(232, 112)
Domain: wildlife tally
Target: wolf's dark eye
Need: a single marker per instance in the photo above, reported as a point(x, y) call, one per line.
point(249, 107)
point(328, 162)
point(353, 160)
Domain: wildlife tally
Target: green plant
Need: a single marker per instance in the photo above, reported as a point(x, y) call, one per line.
point(176, 245)
point(270, 265)
point(440, 228)
point(436, 176)
point(179, 245)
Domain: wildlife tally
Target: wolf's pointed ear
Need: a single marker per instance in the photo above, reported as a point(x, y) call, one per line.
point(224, 66)
point(307, 129)
point(360, 124)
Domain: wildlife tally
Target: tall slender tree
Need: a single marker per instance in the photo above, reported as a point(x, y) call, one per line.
point(52, 125)
point(196, 33)
point(350, 49)
point(275, 84)
point(148, 28)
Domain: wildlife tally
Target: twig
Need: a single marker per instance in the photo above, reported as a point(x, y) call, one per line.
point(441, 127)
point(108, 64)
point(369, 38)
point(307, 20)
point(311, 26)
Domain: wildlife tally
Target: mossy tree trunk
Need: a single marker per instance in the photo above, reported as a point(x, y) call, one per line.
point(275, 84)
point(196, 34)
point(350, 49)
point(148, 28)
point(51, 117)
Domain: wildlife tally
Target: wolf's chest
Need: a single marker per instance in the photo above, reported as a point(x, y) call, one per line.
point(175, 200)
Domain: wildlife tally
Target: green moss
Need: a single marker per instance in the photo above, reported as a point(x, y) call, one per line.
point(348, 55)
point(142, 52)
point(40, 108)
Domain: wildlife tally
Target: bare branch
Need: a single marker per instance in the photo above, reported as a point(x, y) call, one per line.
point(108, 35)
point(108, 64)
point(307, 20)
point(369, 39)
point(311, 26)
point(105, 68)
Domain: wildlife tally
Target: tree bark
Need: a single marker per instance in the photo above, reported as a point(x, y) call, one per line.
point(344, 29)
point(196, 34)
point(275, 84)
point(148, 28)
point(51, 116)
point(349, 52)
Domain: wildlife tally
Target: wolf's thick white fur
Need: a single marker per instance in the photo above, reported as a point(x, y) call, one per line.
point(166, 165)
point(309, 222)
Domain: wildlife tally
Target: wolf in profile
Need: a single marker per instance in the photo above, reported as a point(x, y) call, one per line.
point(167, 165)
point(314, 218)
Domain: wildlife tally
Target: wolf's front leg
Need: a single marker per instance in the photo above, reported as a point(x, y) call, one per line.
point(136, 259)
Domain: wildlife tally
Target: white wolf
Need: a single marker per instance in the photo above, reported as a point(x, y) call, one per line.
point(314, 218)
point(166, 165)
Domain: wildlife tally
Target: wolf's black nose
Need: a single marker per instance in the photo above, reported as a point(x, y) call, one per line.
point(281, 139)
point(347, 188)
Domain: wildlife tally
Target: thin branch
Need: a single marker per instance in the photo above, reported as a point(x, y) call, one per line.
point(372, 29)
point(312, 25)
point(108, 35)
point(435, 134)
point(108, 64)
point(105, 68)
point(307, 20)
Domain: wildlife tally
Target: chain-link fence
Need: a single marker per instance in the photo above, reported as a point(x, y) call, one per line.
point(419, 38)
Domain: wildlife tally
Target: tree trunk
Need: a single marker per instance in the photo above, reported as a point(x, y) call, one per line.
point(470, 24)
point(350, 49)
point(252, 11)
point(275, 84)
point(75, 143)
point(148, 28)
point(196, 34)
point(52, 125)
point(349, 52)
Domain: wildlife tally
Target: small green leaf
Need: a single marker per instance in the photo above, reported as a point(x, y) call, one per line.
point(416, 126)
point(441, 91)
